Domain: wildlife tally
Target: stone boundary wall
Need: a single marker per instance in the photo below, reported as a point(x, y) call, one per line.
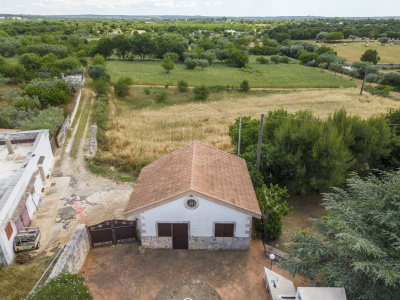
point(199, 242)
point(74, 254)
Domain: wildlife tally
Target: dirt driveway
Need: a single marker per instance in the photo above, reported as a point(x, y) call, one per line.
point(75, 196)
point(120, 272)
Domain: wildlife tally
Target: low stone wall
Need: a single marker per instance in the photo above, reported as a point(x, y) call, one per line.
point(203, 242)
point(74, 254)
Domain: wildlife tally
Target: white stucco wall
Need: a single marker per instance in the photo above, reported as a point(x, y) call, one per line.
point(41, 147)
point(201, 219)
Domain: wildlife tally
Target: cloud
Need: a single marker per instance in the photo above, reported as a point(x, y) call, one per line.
point(217, 3)
point(186, 4)
point(107, 4)
point(207, 3)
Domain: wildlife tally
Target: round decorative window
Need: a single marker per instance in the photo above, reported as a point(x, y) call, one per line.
point(191, 203)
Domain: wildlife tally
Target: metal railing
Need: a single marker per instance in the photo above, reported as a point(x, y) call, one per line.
point(47, 270)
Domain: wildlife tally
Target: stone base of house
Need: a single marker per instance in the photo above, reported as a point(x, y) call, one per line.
point(219, 243)
point(154, 242)
point(204, 242)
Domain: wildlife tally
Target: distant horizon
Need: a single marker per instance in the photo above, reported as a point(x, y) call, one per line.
point(205, 8)
point(202, 16)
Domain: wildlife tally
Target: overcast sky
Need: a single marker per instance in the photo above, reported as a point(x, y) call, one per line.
point(329, 8)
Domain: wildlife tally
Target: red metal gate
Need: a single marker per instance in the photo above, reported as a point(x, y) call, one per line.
point(112, 232)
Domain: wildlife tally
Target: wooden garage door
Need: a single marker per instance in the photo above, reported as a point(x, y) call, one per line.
point(180, 236)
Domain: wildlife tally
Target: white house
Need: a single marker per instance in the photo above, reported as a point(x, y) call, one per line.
point(25, 159)
point(197, 197)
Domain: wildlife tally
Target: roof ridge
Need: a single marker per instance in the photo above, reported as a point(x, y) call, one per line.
point(192, 166)
point(173, 152)
point(224, 152)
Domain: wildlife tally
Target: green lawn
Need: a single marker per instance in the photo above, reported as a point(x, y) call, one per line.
point(268, 76)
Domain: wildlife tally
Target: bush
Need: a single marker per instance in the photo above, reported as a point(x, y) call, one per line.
point(63, 286)
point(391, 78)
point(323, 65)
point(161, 97)
point(172, 56)
point(201, 92)
point(98, 60)
point(69, 63)
point(121, 88)
point(190, 63)
point(99, 116)
point(381, 90)
point(51, 118)
point(203, 63)
point(275, 59)
point(101, 87)
point(284, 60)
point(262, 60)
point(147, 91)
point(97, 72)
point(371, 78)
point(183, 86)
point(245, 86)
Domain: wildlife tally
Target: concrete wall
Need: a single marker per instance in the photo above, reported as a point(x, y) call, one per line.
point(74, 254)
point(201, 225)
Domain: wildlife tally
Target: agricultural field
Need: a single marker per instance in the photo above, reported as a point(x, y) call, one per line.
point(261, 76)
point(141, 131)
point(352, 51)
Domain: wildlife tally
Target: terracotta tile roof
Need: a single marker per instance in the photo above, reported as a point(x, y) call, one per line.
point(196, 168)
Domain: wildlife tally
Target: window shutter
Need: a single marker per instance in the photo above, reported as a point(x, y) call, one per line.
point(228, 230)
point(224, 230)
point(164, 229)
point(9, 230)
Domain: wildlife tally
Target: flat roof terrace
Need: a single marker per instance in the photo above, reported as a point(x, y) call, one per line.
point(11, 163)
point(23, 143)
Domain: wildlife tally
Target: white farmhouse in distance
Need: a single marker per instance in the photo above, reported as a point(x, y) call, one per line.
point(25, 159)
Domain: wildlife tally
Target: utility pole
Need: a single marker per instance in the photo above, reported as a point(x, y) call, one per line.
point(259, 142)
point(240, 133)
point(365, 76)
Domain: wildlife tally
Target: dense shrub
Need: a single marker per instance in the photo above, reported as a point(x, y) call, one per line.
point(245, 86)
point(97, 72)
point(101, 87)
point(49, 93)
point(147, 91)
point(161, 96)
point(275, 59)
point(190, 63)
point(391, 78)
point(61, 287)
point(122, 87)
point(201, 92)
point(262, 60)
point(99, 116)
point(183, 86)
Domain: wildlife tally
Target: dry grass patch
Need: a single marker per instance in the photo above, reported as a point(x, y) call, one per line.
point(140, 136)
point(389, 54)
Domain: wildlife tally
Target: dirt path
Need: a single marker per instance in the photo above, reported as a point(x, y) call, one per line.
point(76, 195)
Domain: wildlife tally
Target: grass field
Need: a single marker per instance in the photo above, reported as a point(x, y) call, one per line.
point(138, 135)
point(352, 51)
point(267, 76)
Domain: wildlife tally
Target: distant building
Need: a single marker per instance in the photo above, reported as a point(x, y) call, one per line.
point(25, 159)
